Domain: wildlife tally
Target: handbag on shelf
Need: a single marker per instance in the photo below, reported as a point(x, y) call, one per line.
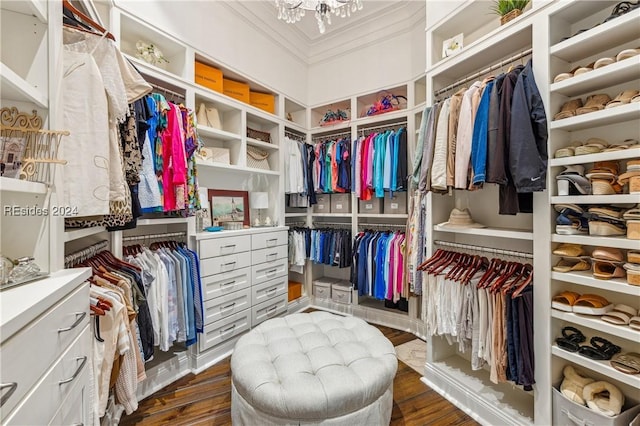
point(214, 155)
point(259, 135)
point(257, 158)
point(209, 116)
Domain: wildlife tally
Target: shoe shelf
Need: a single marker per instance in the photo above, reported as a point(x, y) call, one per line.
point(612, 33)
point(595, 240)
point(603, 117)
point(597, 199)
point(586, 279)
point(611, 75)
point(15, 88)
point(515, 234)
point(213, 133)
point(595, 323)
point(602, 367)
point(623, 154)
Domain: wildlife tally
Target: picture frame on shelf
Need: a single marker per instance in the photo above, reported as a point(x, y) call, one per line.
point(452, 45)
point(229, 206)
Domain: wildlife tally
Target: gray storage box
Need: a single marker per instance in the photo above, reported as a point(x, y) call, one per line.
point(396, 204)
point(373, 206)
point(324, 204)
point(322, 288)
point(341, 292)
point(568, 413)
point(341, 203)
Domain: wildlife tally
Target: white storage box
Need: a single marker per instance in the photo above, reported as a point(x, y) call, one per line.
point(396, 204)
point(323, 205)
point(568, 413)
point(322, 288)
point(341, 292)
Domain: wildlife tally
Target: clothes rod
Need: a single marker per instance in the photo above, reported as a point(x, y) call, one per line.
point(483, 72)
point(86, 253)
point(382, 225)
point(391, 126)
point(484, 249)
point(294, 136)
point(154, 236)
point(331, 136)
point(167, 91)
point(325, 224)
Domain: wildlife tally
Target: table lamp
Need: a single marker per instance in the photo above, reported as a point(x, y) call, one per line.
point(259, 201)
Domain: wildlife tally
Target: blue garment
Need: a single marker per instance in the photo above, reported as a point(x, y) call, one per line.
point(362, 264)
point(378, 166)
point(381, 256)
point(479, 139)
point(388, 162)
point(395, 160)
point(198, 303)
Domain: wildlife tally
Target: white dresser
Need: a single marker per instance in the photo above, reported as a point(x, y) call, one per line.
point(45, 351)
point(244, 282)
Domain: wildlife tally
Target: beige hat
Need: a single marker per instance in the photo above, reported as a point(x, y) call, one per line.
point(461, 219)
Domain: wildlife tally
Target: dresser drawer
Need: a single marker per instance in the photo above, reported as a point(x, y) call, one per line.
point(225, 329)
point(269, 290)
point(269, 254)
point(229, 282)
point(29, 353)
point(218, 265)
point(224, 246)
point(269, 240)
point(268, 271)
point(222, 307)
point(71, 368)
point(74, 409)
point(269, 309)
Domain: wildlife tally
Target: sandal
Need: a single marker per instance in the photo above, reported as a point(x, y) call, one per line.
point(592, 304)
point(609, 254)
point(571, 337)
point(573, 175)
point(569, 265)
point(594, 103)
point(634, 323)
point(603, 62)
point(569, 250)
point(626, 54)
point(607, 228)
point(568, 109)
point(628, 363)
point(565, 301)
point(620, 315)
point(622, 99)
point(600, 350)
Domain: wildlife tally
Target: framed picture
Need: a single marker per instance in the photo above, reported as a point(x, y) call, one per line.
point(229, 206)
point(453, 45)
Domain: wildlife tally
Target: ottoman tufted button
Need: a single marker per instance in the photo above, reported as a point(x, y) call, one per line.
point(311, 367)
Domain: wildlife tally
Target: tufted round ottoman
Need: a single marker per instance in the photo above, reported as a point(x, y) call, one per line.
point(313, 368)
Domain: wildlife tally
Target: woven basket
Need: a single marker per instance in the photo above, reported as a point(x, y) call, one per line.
point(633, 229)
point(510, 16)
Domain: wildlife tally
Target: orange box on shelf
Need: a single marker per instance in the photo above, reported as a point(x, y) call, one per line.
point(208, 76)
point(264, 101)
point(295, 290)
point(236, 90)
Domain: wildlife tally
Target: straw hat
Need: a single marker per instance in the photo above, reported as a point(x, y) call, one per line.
point(461, 218)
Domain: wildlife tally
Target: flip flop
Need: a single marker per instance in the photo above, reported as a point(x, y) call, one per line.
point(620, 315)
point(628, 363)
point(565, 301)
point(592, 304)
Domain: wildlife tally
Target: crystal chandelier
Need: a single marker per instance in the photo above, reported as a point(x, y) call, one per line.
point(292, 11)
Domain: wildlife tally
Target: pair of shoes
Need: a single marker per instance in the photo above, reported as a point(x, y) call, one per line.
point(588, 304)
point(571, 220)
point(600, 349)
point(600, 396)
point(607, 263)
point(602, 62)
point(575, 107)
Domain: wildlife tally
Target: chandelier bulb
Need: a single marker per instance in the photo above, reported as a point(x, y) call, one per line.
point(328, 19)
point(343, 13)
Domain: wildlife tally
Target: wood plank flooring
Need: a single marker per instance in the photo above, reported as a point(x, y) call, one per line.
point(205, 399)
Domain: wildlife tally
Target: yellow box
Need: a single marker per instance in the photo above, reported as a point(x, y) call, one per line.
point(236, 90)
point(264, 101)
point(208, 76)
point(295, 290)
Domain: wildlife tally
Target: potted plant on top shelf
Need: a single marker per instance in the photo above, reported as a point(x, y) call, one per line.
point(508, 9)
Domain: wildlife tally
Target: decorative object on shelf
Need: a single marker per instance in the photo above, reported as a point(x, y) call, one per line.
point(292, 11)
point(150, 53)
point(461, 218)
point(203, 216)
point(19, 271)
point(257, 158)
point(209, 116)
point(508, 9)
point(387, 102)
point(259, 135)
point(289, 117)
point(214, 155)
point(331, 117)
point(229, 206)
point(259, 201)
point(26, 151)
point(453, 45)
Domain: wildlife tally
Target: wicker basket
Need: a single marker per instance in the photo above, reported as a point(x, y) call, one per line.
point(510, 16)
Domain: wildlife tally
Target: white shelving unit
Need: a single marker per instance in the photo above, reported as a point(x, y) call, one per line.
point(595, 323)
point(78, 234)
point(514, 234)
point(587, 240)
point(597, 199)
point(586, 279)
point(218, 134)
point(603, 117)
point(15, 88)
point(610, 75)
point(22, 186)
point(624, 154)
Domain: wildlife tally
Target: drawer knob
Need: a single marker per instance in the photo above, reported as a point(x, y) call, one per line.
point(78, 370)
point(79, 317)
point(228, 329)
point(5, 396)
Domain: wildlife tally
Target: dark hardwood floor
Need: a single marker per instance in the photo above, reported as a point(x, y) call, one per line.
point(205, 399)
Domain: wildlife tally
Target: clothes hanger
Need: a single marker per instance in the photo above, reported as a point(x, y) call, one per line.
point(83, 19)
point(528, 279)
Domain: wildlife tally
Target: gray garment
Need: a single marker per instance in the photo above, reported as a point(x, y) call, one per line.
point(439, 167)
point(417, 162)
point(494, 153)
point(427, 150)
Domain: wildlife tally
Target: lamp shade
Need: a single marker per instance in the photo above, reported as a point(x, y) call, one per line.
point(259, 200)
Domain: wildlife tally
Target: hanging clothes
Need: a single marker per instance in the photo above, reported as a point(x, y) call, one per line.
point(299, 248)
point(380, 164)
point(329, 246)
point(331, 170)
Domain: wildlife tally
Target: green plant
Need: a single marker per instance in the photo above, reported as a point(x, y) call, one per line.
point(502, 7)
